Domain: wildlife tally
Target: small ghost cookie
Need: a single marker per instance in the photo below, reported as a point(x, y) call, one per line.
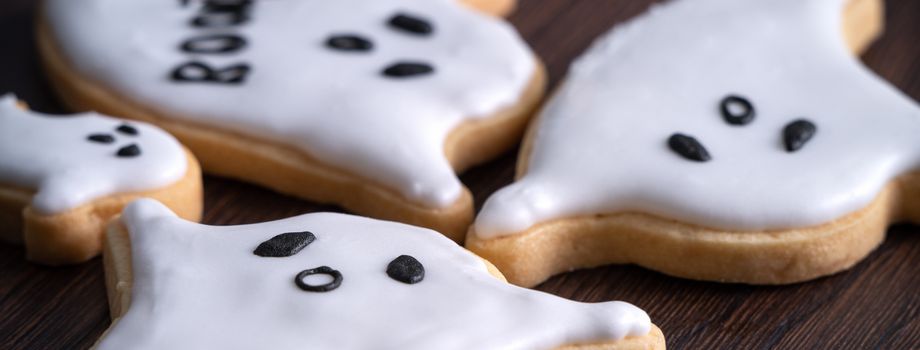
point(371, 105)
point(734, 141)
point(63, 178)
point(332, 281)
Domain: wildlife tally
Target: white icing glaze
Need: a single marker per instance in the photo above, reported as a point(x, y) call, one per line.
point(201, 287)
point(601, 143)
point(335, 106)
point(51, 154)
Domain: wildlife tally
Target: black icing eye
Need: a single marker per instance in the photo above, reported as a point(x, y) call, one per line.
point(322, 270)
point(349, 43)
point(129, 151)
point(737, 110)
point(406, 269)
point(285, 244)
point(101, 138)
point(797, 133)
point(411, 24)
point(408, 69)
point(127, 129)
point(688, 147)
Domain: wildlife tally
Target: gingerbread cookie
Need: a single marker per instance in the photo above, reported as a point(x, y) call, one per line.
point(371, 105)
point(332, 281)
point(63, 178)
point(735, 141)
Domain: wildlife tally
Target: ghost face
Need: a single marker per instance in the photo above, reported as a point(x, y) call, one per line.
point(370, 87)
point(748, 115)
point(334, 281)
point(72, 160)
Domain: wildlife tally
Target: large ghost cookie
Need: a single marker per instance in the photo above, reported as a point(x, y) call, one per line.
point(725, 140)
point(332, 281)
point(63, 178)
point(369, 104)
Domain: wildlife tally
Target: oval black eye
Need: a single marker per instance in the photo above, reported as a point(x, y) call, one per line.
point(797, 133)
point(101, 138)
point(349, 43)
point(688, 147)
point(737, 110)
point(411, 24)
point(322, 288)
point(285, 244)
point(129, 151)
point(406, 269)
point(127, 129)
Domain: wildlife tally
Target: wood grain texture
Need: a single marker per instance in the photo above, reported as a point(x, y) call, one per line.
point(875, 305)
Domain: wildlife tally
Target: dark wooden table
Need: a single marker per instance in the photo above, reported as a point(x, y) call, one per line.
point(875, 305)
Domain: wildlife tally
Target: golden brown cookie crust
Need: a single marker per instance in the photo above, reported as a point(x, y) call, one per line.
point(75, 236)
point(499, 8)
point(118, 278)
point(685, 250)
point(294, 172)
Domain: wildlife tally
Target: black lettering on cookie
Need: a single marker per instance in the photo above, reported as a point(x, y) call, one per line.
point(198, 72)
point(223, 13)
point(214, 44)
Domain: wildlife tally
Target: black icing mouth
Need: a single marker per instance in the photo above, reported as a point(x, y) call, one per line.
point(738, 111)
point(322, 288)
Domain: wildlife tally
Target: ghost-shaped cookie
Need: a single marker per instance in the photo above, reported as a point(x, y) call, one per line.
point(331, 281)
point(372, 105)
point(63, 177)
point(713, 139)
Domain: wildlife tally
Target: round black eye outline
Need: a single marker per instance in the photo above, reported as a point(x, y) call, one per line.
point(322, 270)
point(746, 116)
